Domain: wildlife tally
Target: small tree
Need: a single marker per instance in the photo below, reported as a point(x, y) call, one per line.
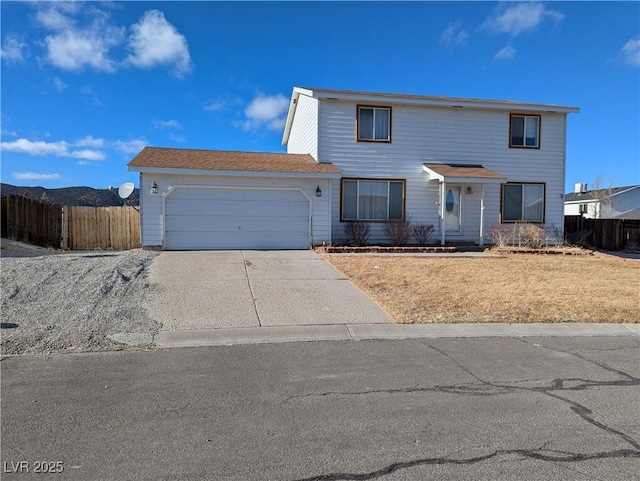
point(397, 231)
point(422, 233)
point(603, 205)
point(357, 233)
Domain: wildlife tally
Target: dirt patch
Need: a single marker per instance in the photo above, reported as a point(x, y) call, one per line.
point(71, 301)
point(510, 288)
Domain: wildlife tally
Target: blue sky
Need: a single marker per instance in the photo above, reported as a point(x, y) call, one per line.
point(86, 85)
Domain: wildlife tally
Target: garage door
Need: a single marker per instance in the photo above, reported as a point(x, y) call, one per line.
point(222, 218)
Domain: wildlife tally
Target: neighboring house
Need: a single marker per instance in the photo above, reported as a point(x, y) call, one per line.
point(462, 165)
point(614, 202)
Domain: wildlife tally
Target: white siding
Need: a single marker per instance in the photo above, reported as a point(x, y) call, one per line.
point(445, 135)
point(303, 138)
point(152, 206)
point(607, 208)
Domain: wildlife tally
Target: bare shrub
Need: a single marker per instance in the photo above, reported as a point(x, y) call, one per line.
point(502, 235)
point(397, 231)
point(357, 233)
point(422, 233)
point(554, 232)
point(532, 236)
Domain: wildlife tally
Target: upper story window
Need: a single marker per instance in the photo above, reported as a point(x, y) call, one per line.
point(525, 131)
point(374, 124)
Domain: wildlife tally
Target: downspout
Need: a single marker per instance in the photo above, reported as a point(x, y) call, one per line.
point(443, 200)
point(481, 215)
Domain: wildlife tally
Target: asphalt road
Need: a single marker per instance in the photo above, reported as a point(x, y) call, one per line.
point(446, 409)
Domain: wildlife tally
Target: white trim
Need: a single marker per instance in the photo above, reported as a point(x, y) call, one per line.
point(173, 187)
point(451, 102)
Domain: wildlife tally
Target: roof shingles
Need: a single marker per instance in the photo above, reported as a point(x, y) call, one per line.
point(156, 157)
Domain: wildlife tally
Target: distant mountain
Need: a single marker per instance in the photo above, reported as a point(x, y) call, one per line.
point(86, 196)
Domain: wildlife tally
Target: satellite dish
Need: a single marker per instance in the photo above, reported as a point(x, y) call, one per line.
point(126, 190)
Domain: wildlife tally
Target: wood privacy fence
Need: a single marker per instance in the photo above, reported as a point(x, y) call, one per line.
point(89, 228)
point(31, 221)
point(70, 227)
point(607, 234)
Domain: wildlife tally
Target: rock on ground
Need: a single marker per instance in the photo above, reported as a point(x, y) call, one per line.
point(71, 301)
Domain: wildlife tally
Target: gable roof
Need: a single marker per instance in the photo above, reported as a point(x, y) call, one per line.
point(597, 194)
point(420, 100)
point(629, 215)
point(167, 158)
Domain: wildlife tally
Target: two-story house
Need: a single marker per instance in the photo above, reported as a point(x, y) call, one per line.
point(459, 164)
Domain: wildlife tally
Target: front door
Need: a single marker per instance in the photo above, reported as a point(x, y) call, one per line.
point(452, 209)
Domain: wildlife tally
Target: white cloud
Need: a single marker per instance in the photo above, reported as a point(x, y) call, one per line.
point(81, 35)
point(506, 53)
point(8, 133)
point(59, 84)
point(454, 34)
point(166, 124)
point(90, 141)
point(59, 149)
point(130, 146)
point(519, 18)
point(87, 154)
point(155, 41)
point(631, 52)
point(58, 15)
point(73, 50)
point(213, 106)
point(34, 176)
point(177, 138)
point(267, 111)
point(37, 147)
point(74, 46)
point(12, 50)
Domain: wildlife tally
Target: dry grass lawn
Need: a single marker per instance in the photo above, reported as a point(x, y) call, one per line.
point(512, 288)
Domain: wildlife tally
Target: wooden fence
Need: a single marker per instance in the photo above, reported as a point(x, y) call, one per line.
point(607, 234)
point(70, 227)
point(31, 221)
point(90, 228)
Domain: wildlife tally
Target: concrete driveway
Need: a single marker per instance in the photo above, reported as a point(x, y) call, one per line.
point(232, 289)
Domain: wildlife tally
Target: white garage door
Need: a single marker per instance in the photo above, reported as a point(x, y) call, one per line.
point(221, 218)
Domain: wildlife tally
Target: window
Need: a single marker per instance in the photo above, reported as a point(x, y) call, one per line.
point(374, 124)
point(525, 131)
point(372, 200)
point(523, 202)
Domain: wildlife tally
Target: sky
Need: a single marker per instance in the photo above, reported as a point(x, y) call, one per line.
point(86, 85)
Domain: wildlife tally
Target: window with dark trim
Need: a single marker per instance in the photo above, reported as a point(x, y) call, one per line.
point(373, 124)
point(524, 131)
point(522, 202)
point(372, 200)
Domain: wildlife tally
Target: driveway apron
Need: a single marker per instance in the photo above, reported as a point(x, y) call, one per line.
point(231, 289)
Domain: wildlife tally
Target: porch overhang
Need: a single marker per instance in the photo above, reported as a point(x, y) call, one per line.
point(461, 174)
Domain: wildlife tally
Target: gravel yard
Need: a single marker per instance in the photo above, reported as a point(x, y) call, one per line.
point(61, 301)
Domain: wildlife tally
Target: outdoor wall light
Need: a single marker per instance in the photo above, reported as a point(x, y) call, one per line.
point(154, 188)
point(318, 192)
point(469, 191)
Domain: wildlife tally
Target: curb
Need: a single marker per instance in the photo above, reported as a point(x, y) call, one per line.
point(360, 332)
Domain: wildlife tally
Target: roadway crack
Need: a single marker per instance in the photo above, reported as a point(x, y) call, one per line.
point(247, 264)
point(558, 385)
point(538, 454)
point(583, 358)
